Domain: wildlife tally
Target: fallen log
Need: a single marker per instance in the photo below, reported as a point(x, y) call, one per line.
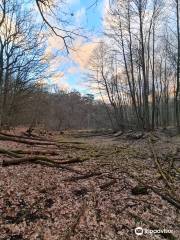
point(52, 165)
point(32, 137)
point(36, 152)
point(29, 142)
point(18, 152)
point(34, 141)
point(9, 153)
point(16, 161)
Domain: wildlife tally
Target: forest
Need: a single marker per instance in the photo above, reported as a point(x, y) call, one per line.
point(89, 119)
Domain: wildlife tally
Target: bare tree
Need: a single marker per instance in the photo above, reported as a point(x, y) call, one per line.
point(22, 56)
point(177, 97)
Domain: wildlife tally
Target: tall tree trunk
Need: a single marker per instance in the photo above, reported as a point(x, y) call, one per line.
point(153, 83)
point(177, 97)
point(145, 80)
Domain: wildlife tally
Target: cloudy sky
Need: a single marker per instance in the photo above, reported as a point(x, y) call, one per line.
point(69, 70)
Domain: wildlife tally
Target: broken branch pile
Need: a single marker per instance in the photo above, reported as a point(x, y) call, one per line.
point(19, 156)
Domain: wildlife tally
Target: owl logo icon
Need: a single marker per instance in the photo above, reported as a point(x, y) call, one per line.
point(139, 231)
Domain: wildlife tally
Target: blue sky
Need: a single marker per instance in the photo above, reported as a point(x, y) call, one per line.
point(93, 13)
point(90, 19)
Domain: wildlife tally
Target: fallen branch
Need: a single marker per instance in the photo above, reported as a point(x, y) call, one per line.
point(32, 159)
point(39, 160)
point(17, 161)
point(32, 137)
point(57, 165)
point(9, 153)
point(127, 206)
point(85, 176)
point(18, 153)
point(160, 170)
point(36, 152)
point(108, 184)
point(29, 142)
point(72, 146)
point(169, 198)
point(71, 230)
point(67, 142)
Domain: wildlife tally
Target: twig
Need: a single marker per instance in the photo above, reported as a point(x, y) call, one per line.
point(155, 158)
point(108, 184)
point(175, 202)
point(88, 175)
point(71, 230)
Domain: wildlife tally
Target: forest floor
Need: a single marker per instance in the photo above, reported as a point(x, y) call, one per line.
point(89, 186)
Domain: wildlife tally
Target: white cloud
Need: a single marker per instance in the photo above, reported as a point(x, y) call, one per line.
point(80, 16)
point(83, 52)
point(73, 70)
point(73, 2)
point(60, 80)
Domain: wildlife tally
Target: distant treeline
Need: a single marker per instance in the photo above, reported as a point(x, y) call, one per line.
point(55, 110)
point(136, 66)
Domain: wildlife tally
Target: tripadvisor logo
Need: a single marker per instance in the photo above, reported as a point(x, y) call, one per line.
point(139, 231)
